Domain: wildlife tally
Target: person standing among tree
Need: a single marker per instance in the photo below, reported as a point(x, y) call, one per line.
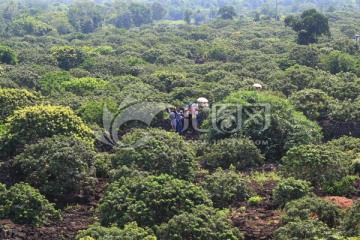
point(179, 125)
point(172, 116)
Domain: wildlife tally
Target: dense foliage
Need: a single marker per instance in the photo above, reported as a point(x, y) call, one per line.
point(311, 25)
point(149, 200)
point(82, 86)
point(350, 226)
point(131, 231)
point(309, 217)
point(302, 229)
point(14, 99)
point(289, 189)
point(23, 204)
point(307, 207)
point(30, 124)
point(305, 161)
point(346, 143)
point(265, 118)
point(203, 223)
point(226, 187)
point(7, 55)
point(60, 167)
point(71, 68)
point(241, 153)
point(315, 104)
point(158, 152)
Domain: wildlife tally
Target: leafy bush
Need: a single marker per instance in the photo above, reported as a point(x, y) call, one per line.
point(303, 229)
point(226, 187)
point(203, 223)
point(131, 231)
point(309, 26)
point(25, 205)
point(350, 226)
point(314, 103)
point(293, 79)
point(338, 61)
point(346, 143)
point(6, 82)
point(83, 86)
point(32, 123)
point(356, 166)
point(343, 187)
point(26, 76)
point(219, 53)
point(59, 167)
point(307, 161)
point(254, 201)
point(127, 172)
point(307, 55)
point(309, 207)
point(86, 238)
point(149, 200)
point(290, 189)
point(2, 192)
point(159, 152)
point(52, 81)
point(165, 81)
point(14, 99)
point(68, 56)
point(264, 176)
point(241, 153)
point(288, 127)
point(92, 112)
point(102, 163)
point(7, 55)
point(345, 86)
point(29, 25)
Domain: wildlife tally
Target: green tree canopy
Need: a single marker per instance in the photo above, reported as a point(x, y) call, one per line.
point(131, 231)
point(12, 99)
point(350, 226)
point(35, 122)
point(160, 152)
point(158, 11)
point(227, 12)
point(51, 82)
point(338, 61)
point(25, 205)
point(141, 14)
point(68, 56)
point(83, 86)
point(326, 211)
point(301, 229)
point(314, 103)
point(60, 166)
point(203, 223)
point(30, 26)
point(85, 16)
point(285, 127)
point(306, 161)
point(7, 55)
point(290, 189)
point(241, 153)
point(310, 25)
point(226, 187)
point(149, 200)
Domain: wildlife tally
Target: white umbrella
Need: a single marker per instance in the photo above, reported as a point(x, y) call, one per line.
point(202, 100)
point(257, 85)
